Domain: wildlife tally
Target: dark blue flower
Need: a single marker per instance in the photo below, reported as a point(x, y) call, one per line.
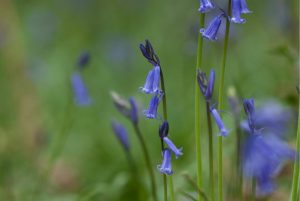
point(244, 7)
point(151, 112)
point(211, 31)
point(151, 85)
point(250, 111)
point(206, 86)
point(236, 11)
point(121, 134)
point(175, 150)
point(163, 129)
point(223, 131)
point(133, 110)
point(80, 91)
point(83, 60)
point(205, 6)
point(166, 166)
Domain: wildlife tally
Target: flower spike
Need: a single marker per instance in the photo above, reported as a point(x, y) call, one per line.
point(211, 31)
point(166, 166)
point(205, 6)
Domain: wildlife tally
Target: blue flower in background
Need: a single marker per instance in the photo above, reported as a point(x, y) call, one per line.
point(151, 112)
point(206, 86)
point(166, 166)
point(121, 134)
point(175, 150)
point(133, 110)
point(263, 153)
point(205, 6)
point(211, 31)
point(83, 60)
point(82, 97)
point(151, 85)
point(244, 7)
point(236, 12)
point(223, 130)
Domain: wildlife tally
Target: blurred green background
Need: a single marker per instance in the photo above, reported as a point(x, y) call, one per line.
point(40, 42)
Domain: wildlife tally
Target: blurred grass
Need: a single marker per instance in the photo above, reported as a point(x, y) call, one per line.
point(40, 42)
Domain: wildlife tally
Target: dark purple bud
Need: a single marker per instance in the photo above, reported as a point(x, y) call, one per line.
point(148, 52)
point(121, 134)
point(236, 10)
point(133, 110)
point(83, 60)
point(250, 110)
point(164, 129)
point(211, 31)
point(166, 166)
point(82, 97)
point(151, 85)
point(176, 151)
point(206, 86)
point(244, 7)
point(223, 131)
point(151, 112)
point(205, 6)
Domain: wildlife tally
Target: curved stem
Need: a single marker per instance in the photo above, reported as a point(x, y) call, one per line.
point(148, 161)
point(197, 110)
point(295, 184)
point(211, 154)
point(220, 101)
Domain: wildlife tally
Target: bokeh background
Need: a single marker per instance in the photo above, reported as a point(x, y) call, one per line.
point(40, 42)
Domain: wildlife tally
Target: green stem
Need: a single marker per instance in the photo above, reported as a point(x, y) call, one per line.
point(295, 184)
point(148, 161)
point(211, 154)
point(197, 110)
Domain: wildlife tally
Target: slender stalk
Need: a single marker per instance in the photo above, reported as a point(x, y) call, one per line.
point(220, 102)
point(211, 154)
point(253, 189)
point(295, 184)
point(197, 110)
point(148, 161)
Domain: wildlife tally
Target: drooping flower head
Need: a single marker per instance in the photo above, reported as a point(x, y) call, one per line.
point(121, 135)
point(171, 145)
point(212, 30)
point(148, 52)
point(223, 130)
point(236, 9)
point(151, 112)
point(83, 60)
point(263, 153)
point(166, 166)
point(205, 6)
point(244, 7)
point(81, 94)
point(151, 85)
point(206, 86)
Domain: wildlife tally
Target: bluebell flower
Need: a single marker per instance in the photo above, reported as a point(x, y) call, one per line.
point(206, 86)
point(121, 134)
point(236, 11)
point(82, 97)
point(205, 6)
point(83, 60)
point(151, 85)
point(263, 153)
point(244, 7)
point(175, 150)
point(148, 52)
point(151, 112)
point(133, 110)
point(163, 129)
point(211, 31)
point(166, 166)
point(223, 130)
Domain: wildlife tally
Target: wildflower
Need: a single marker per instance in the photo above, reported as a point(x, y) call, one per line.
point(263, 153)
point(166, 166)
point(236, 12)
point(206, 86)
point(223, 131)
point(163, 129)
point(211, 31)
point(81, 94)
point(148, 52)
point(244, 7)
point(133, 110)
point(175, 150)
point(83, 60)
point(121, 134)
point(205, 6)
point(151, 112)
point(151, 85)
